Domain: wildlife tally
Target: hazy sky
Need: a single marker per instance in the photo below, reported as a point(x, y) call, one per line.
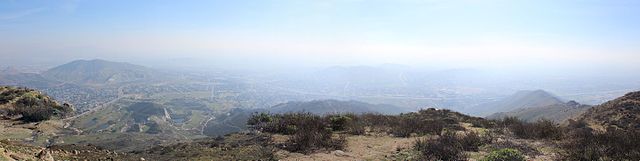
point(466, 33)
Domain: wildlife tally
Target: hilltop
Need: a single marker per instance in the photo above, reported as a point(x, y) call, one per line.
point(30, 105)
point(29, 116)
point(98, 72)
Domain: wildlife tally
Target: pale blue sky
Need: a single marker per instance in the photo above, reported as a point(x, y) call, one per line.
point(494, 33)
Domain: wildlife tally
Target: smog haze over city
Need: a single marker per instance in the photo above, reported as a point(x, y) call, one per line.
point(540, 39)
point(193, 69)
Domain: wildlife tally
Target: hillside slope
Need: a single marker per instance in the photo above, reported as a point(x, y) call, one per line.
point(556, 112)
point(519, 100)
point(30, 105)
point(25, 79)
point(98, 72)
point(621, 113)
point(30, 117)
point(127, 116)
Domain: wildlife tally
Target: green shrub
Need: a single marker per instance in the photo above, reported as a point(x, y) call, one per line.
point(542, 129)
point(472, 141)
point(258, 118)
point(547, 129)
point(504, 155)
point(445, 147)
point(10, 93)
point(585, 144)
point(339, 122)
point(521, 147)
point(35, 109)
point(376, 122)
point(405, 125)
point(313, 136)
point(308, 132)
point(280, 123)
point(356, 127)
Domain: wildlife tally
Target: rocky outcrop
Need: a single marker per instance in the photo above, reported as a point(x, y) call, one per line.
point(45, 155)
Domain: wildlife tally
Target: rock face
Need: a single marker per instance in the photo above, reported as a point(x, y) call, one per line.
point(622, 113)
point(166, 117)
point(4, 155)
point(45, 155)
point(340, 153)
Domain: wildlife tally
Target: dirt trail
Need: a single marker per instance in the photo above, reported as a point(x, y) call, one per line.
point(359, 148)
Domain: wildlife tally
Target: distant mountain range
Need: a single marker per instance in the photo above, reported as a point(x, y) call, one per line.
point(519, 100)
point(98, 72)
point(335, 106)
point(82, 72)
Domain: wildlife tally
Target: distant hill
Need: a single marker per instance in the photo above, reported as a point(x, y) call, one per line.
point(335, 106)
point(556, 112)
point(9, 70)
point(519, 100)
point(98, 72)
point(128, 116)
point(621, 113)
point(30, 105)
point(26, 79)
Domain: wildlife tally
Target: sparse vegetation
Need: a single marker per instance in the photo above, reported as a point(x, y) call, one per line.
point(424, 122)
point(450, 146)
point(8, 94)
point(30, 105)
point(583, 143)
point(445, 147)
point(308, 132)
point(472, 140)
point(504, 155)
point(439, 135)
point(340, 122)
point(520, 146)
point(542, 129)
point(259, 118)
point(406, 125)
point(313, 135)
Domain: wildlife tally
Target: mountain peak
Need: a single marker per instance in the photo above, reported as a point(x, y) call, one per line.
point(98, 71)
point(538, 92)
point(94, 62)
